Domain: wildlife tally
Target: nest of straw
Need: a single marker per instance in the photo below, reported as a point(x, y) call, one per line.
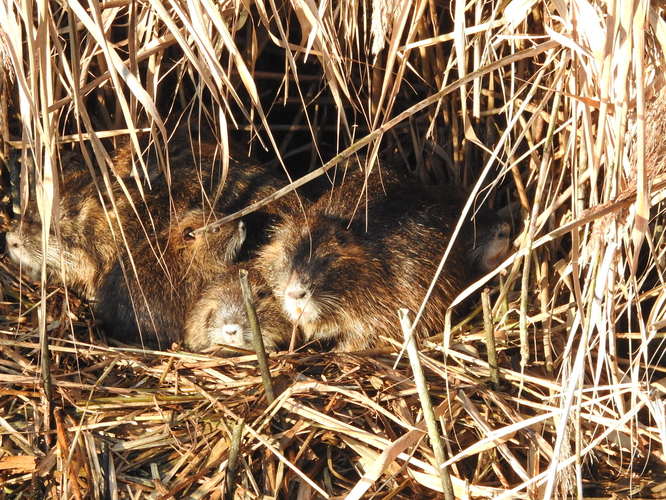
point(171, 424)
point(550, 110)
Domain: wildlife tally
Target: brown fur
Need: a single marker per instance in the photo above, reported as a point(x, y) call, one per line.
point(150, 305)
point(88, 245)
point(82, 246)
point(353, 282)
point(219, 316)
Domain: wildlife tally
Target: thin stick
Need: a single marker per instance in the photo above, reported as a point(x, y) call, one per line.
point(490, 337)
point(257, 339)
point(234, 452)
point(426, 404)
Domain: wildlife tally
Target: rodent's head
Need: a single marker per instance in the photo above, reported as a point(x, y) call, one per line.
point(226, 322)
point(219, 245)
point(78, 215)
point(492, 246)
point(314, 267)
point(221, 318)
point(24, 247)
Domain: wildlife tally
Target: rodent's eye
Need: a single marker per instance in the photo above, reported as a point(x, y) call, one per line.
point(188, 234)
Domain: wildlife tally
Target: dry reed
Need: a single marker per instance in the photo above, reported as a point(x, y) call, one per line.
point(552, 112)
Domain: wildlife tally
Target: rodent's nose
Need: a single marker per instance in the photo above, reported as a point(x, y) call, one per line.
point(12, 239)
point(233, 330)
point(296, 293)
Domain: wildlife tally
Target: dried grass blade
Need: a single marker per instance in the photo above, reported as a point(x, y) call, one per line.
point(642, 207)
point(461, 58)
point(377, 133)
point(387, 457)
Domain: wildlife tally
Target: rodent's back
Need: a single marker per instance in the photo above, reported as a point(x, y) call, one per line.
point(338, 280)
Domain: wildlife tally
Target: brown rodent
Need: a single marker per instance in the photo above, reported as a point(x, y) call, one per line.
point(85, 244)
point(335, 279)
point(491, 245)
point(147, 303)
point(90, 244)
point(219, 316)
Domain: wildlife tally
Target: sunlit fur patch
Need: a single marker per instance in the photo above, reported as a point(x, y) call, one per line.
point(303, 310)
point(26, 260)
point(232, 334)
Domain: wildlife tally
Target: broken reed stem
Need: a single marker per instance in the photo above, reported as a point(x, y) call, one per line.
point(45, 359)
point(531, 227)
point(544, 300)
point(490, 337)
point(257, 339)
point(232, 464)
point(426, 404)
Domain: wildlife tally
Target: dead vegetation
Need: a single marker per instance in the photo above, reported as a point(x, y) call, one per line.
point(549, 110)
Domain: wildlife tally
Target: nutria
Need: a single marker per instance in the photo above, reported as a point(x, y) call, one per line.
point(343, 278)
point(490, 245)
point(87, 245)
point(219, 316)
point(150, 304)
point(83, 244)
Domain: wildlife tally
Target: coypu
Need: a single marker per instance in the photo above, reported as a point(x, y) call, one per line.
point(219, 316)
point(346, 279)
point(84, 246)
point(491, 245)
point(169, 274)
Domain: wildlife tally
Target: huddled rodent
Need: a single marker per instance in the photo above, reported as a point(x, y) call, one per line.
point(219, 316)
point(86, 242)
point(343, 278)
point(150, 304)
point(491, 245)
point(90, 244)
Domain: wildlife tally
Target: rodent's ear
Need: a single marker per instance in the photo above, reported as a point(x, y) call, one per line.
point(242, 231)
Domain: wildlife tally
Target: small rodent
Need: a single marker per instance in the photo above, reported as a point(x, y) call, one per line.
point(84, 248)
point(87, 244)
point(149, 305)
point(346, 279)
point(218, 317)
point(491, 245)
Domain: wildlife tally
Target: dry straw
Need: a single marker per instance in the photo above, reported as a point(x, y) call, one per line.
point(550, 111)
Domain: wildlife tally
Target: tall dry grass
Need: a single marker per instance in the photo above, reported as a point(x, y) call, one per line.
point(551, 110)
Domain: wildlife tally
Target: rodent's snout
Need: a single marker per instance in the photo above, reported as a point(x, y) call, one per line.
point(295, 292)
point(228, 334)
point(298, 301)
point(12, 240)
point(232, 331)
point(295, 288)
